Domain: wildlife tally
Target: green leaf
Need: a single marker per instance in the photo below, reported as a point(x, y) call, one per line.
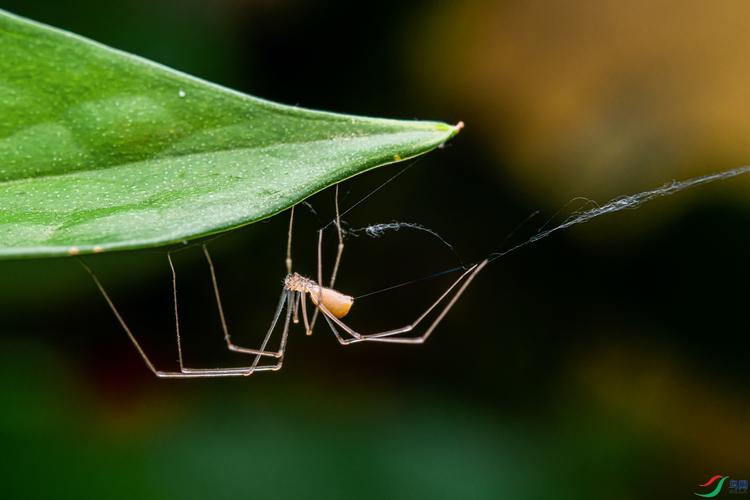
point(101, 150)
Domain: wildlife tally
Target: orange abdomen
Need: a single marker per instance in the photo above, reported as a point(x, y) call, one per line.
point(336, 302)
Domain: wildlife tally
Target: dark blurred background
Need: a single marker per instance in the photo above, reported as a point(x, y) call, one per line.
point(609, 360)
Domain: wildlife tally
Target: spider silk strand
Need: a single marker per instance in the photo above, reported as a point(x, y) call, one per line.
point(630, 202)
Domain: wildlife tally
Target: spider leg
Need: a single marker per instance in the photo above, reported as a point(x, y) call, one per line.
point(390, 335)
point(227, 337)
point(336, 263)
point(303, 300)
point(188, 372)
point(340, 248)
point(295, 316)
point(259, 353)
point(335, 330)
point(295, 312)
point(320, 281)
point(289, 243)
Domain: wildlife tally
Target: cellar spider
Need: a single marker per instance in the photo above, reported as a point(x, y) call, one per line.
point(332, 304)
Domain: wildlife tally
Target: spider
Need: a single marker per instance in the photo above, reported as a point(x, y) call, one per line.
point(332, 304)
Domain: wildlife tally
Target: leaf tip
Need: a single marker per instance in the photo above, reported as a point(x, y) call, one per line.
point(455, 129)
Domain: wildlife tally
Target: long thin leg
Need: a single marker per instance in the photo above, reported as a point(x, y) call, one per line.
point(205, 373)
point(188, 372)
point(389, 335)
point(303, 300)
point(320, 280)
point(243, 370)
point(239, 371)
point(340, 250)
point(333, 327)
point(227, 337)
point(295, 312)
point(289, 258)
point(289, 243)
point(336, 263)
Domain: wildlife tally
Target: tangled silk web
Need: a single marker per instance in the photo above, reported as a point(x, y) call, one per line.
point(617, 204)
point(378, 230)
point(627, 203)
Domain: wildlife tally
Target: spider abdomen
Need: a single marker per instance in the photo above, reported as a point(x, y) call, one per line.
point(336, 302)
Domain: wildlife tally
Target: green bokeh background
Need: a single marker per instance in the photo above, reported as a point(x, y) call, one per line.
point(610, 360)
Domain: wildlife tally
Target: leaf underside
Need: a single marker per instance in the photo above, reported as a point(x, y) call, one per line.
point(101, 150)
